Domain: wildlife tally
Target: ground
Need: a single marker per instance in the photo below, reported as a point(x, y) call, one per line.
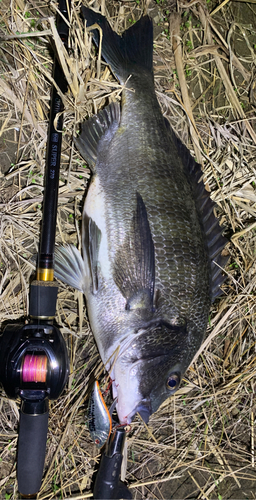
point(200, 444)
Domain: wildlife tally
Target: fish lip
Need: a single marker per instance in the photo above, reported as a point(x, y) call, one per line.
point(143, 408)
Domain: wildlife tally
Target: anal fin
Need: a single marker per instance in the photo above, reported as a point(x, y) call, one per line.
point(94, 129)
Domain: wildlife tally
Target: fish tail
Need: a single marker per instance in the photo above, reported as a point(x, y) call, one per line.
point(123, 53)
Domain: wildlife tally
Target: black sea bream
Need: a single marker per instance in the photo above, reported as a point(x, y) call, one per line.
point(150, 238)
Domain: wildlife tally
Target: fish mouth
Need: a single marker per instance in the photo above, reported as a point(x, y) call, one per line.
point(126, 372)
point(144, 409)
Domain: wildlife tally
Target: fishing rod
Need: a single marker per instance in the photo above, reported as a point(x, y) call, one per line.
point(34, 363)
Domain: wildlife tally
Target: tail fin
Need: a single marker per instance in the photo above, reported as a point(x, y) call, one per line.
point(124, 53)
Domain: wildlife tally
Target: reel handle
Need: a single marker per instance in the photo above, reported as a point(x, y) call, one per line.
point(31, 450)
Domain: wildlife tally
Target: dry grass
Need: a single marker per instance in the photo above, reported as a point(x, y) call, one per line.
point(200, 443)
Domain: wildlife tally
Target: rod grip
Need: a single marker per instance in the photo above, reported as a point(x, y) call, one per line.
point(31, 452)
point(107, 483)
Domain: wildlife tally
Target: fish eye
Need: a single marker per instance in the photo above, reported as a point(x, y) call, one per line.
point(173, 382)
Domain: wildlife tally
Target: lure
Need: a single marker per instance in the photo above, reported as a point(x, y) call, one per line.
point(100, 421)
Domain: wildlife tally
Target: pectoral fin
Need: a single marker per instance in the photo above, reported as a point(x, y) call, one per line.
point(69, 267)
point(94, 237)
point(134, 268)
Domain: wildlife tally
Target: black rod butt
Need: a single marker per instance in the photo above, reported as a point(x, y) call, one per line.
point(31, 452)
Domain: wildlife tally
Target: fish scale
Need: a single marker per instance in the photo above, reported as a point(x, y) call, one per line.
point(176, 216)
point(149, 235)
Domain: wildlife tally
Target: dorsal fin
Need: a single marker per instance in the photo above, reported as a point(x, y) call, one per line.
point(215, 241)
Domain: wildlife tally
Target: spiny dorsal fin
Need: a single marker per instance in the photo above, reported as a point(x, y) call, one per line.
point(134, 267)
point(205, 206)
point(94, 129)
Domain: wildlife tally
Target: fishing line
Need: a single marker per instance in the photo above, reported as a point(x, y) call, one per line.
point(34, 368)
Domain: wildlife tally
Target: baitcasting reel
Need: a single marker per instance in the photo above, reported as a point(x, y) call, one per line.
point(34, 366)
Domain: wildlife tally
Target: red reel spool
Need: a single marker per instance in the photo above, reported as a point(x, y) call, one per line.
point(34, 368)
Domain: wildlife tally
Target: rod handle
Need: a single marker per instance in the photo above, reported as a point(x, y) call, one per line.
point(31, 452)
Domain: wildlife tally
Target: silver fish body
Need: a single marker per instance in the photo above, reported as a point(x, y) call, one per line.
point(150, 238)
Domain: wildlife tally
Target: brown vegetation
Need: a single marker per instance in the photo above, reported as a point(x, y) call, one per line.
point(200, 443)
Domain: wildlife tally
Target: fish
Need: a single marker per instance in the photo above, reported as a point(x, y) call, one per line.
point(152, 246)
